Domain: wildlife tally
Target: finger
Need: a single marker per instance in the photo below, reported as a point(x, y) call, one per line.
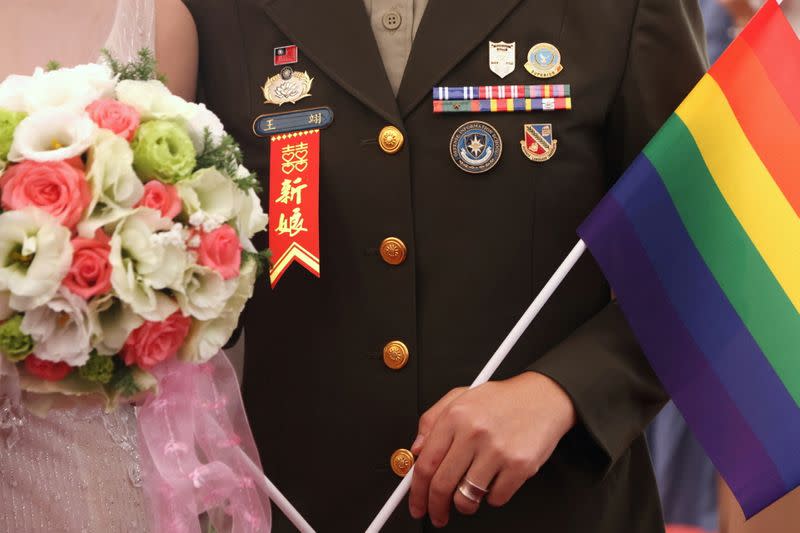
point(444, 482)
point(438, 443)
point(429, 418)
point(507, 483)
point(482, 472)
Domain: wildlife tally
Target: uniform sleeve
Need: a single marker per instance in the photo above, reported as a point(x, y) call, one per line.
point(613, 388)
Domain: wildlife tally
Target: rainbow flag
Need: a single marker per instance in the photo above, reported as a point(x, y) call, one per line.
point(700, 240)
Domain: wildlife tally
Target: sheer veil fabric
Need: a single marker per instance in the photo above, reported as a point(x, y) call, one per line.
point(77, 470)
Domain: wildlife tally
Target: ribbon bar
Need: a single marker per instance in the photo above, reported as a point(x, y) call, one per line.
point(500, 92)
point(509, 105)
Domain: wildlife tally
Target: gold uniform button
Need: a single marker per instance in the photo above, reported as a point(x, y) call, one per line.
point(402, 461)
point(391, 140)
point(395, 355)
point(393, 251)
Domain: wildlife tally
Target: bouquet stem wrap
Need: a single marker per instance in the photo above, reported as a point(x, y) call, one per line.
point(198, 454)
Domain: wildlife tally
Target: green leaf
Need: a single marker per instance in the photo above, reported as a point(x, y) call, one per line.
point(143, 68)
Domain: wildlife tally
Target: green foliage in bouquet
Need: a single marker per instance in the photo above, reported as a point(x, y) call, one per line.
point(123, 380)
point(226, 156)
point(263, 259)
point(9, 121)
point(143, 68)
point(52, 65)
point(99, 369)
point(15, 344)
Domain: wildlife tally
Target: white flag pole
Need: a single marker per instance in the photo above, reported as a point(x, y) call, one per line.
point(276, 497)
point(286, 507)
point(489, 370)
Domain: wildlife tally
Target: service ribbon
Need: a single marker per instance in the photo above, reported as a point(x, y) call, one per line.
point(294, 202)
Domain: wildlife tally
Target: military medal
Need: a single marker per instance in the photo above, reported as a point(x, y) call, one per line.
point(539, 144)
point(288, 87)
point(544, 61)
point(476, 147)
point(502, 58)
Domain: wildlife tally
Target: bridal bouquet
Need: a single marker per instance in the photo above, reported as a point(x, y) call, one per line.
point(125, 233)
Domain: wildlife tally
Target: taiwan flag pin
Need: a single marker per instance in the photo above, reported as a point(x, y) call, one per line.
point(285, 55)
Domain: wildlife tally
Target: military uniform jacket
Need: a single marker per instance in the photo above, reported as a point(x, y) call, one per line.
point(326, 411)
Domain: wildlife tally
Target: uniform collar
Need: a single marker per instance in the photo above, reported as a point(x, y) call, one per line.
point(337, 36)
point(450, 29)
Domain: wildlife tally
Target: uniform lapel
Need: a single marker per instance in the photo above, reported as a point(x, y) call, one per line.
point(336, 35)
point(449, 30)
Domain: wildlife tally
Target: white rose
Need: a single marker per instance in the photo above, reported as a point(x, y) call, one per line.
point(206, 338)
point(61, 329)
point(210, 191)
point(143, 265)
point(52, 135)
point(68, 88)
point(154, 101)
point(114, 184)
point(112, 322)
point(250, 219)
point(35, 255)
point(12, 92)
point(204, 293)
point(201, 120)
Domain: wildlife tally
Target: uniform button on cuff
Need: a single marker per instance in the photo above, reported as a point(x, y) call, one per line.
point(392, 20)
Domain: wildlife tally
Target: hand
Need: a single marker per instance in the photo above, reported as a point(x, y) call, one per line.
point(498, 435)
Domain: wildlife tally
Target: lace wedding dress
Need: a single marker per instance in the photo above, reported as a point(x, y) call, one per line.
point(76, 470)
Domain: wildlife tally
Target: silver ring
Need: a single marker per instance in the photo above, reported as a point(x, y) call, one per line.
point(471, 491)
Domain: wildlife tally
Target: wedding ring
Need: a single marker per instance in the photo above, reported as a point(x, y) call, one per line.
point(471, 491)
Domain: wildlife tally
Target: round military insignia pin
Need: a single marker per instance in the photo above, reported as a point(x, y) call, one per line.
point(476, 147)
point(539, 144)
point(544, 61)
point(288, 87)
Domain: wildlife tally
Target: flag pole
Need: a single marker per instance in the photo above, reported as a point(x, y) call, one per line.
point(286, 507)
point(489, 370)
point(276, 497)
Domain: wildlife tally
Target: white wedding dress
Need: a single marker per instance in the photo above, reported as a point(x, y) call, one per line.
point(77, 470)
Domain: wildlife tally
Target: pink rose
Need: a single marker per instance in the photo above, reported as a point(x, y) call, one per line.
point(161, 197)
point(155, 342)
point(221, 250)
point(55, 187)
point(90, 273)
point(112, 115)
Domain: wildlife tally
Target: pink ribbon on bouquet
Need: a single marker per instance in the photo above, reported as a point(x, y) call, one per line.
point(198, 453)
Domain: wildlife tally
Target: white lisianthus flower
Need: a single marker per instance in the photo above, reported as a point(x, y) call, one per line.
point(154, 101)
point(142, 265)
point(206, 338)
point(115, 186)
point(67, 88)
point(204, 293)
point(201, 120)
point(12, 93)
point(250, 219)
point(112, 322)
point(52, 135)
point(61, 329)
point(35, 255)
point(210, 191)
